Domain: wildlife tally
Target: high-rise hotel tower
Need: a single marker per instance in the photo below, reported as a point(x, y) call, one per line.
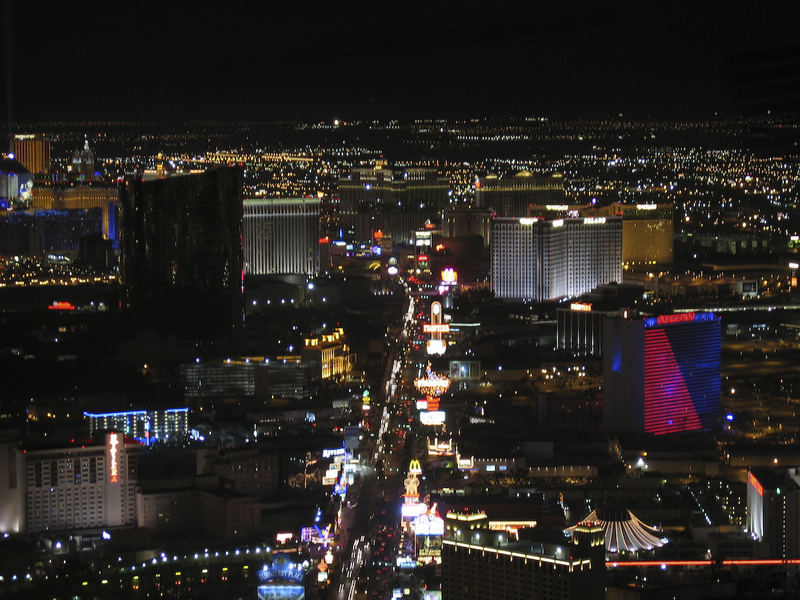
point(537, 260)
point(281, 236)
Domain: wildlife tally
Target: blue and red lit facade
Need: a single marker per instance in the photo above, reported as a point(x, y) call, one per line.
point(662, 374)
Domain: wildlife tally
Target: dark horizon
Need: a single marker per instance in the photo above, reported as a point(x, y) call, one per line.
point(171, 64)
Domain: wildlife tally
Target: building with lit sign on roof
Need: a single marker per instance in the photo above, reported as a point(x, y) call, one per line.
point(662, 374)
point(147, 426)
point(33, 151)
point(773, 511)
point(538, 260)
point(647, 229)
point(480, 564)
point(281, 236)
point(579, 330)
point(86, 485)
point(512, 196)
point(395, 200)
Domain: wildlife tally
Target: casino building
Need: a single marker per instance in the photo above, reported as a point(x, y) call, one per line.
point(661, 374)
point(86, 485)
point(538, 260)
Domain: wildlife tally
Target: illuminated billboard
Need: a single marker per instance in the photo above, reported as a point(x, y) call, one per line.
point(281, 592)
point(432, 417)
point(427, 524)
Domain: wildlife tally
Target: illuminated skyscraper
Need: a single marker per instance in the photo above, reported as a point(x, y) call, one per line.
point(647, 229)
point(281, 236)
point(181, 258)
point(33, 151)
point(536, 260)
point(396, 201)
point(661, 374)
point(83, 486)
point(773, 510)
point(511, 196)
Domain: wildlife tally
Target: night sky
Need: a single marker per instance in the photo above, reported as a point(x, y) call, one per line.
point(183, 61)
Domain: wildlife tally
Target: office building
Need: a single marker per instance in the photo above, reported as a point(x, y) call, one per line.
point(281, 236)
point(661, 374)
point(86, 485)
point(181, 253)
point(33, 151)
point(537, 260)
point(170, 425)
point(394, 200)
point(773, 511)
point(647, 229)
point(491, 566)
point(512, 196)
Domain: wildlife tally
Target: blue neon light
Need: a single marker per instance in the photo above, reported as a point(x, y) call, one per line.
point(174, 410)
point(126, 413)
point(729, 417)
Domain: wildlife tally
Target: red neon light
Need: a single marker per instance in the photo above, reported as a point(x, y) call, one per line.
point(61, 305)
point(676, 318)
point(762, 561)
point(113, 442)
point(378, 235)
point(422, 257)
point(737, 562)
point(751, 479)
point(324, 240)
point(659, 563)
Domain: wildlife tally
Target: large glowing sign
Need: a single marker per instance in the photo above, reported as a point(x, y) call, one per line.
point(436, 328)
point(678, 318)
point(428, 525)
point(449, 275)
point(282, 568)
point(113, 442)
point(432, 417)
point(281, 592)
point(413, 509)
point(61, 305)
point(580, 307)
point(432, 384)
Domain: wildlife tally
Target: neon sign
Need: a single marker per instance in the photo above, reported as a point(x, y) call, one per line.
point(61, 305)
point(113, 442)
point(580, 306)
point(751, 479)
point(436, 328)
point(282, 568)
